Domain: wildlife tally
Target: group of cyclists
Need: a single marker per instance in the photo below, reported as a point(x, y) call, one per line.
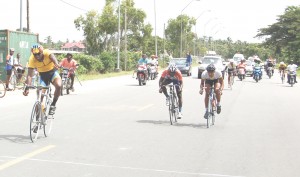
point(212, 77)
point(46, 64)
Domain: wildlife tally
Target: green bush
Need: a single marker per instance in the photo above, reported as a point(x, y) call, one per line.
point(108, 61)
point(88, 64)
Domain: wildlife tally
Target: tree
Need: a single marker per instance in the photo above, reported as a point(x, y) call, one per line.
point(284, 35)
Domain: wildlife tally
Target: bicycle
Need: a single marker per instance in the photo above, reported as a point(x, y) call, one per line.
point(17, 80)
point(173, 103)
point(231, 79)
point(282, 76)
point(211, 107)
point(2, 88)
point(66, 81)
point(40, 118)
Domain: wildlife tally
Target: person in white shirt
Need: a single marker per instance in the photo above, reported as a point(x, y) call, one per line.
point(18, 66)
point(291, 68)
point(212, 77)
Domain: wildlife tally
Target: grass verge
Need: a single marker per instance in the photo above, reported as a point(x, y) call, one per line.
point(95, 76)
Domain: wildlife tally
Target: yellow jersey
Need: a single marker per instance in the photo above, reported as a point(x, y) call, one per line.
point(282, 67)
point(42, 66)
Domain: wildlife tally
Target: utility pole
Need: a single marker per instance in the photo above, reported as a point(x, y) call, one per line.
point(21, 28)
point(28, 30)
point(125, 36)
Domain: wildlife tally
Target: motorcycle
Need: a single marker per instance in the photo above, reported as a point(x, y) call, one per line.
point(241, 73)
point(142, 74)
point(292, 76)
point(269, 71)
point(153, 72)
point(257, 73)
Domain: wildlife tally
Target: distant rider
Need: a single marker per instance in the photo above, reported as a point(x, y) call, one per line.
point(70, 64)
point(282, 68)
point(291, 68)
point(231, 69)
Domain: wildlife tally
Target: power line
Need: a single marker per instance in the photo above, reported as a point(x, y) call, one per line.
point(73, 6)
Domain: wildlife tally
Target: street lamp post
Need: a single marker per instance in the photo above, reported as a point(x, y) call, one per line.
point(196, 29)
point(155, 28)
point(210, 20)
point(119, 31)
point(181, 25)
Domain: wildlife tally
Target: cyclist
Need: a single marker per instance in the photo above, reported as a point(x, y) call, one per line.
point(291, 68)
point(231, 70)
point(212, 77)
point(70, 63)
point(46, 64)
point(270, 65)
point(282, 68)
point(172, 75)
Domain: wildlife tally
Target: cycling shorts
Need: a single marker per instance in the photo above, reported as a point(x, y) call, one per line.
point(47, 77)
point(211, 82)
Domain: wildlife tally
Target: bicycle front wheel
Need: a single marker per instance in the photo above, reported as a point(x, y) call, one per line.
point(35, 121)
point(2, 89)
point(171, 110)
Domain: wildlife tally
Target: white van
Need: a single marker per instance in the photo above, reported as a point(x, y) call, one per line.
point(238, 57)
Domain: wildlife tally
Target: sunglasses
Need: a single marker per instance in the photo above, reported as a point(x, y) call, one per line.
point(36, 54)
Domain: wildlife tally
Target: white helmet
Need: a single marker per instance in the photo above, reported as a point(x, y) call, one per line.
point(281, 63)
point(231, 60)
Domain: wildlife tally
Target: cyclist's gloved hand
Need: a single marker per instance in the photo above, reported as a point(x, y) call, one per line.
point(160, 90)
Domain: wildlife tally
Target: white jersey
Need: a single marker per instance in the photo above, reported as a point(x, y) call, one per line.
point(154, 62)
point(231, 66)
point(217, 75)
point(292, 67)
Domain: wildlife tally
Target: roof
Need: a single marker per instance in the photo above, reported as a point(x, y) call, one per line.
point(73, 45)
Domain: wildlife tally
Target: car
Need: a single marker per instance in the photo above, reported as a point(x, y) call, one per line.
point(182, 65)
point(238, 57)
point(206, 60)
point(249, 68)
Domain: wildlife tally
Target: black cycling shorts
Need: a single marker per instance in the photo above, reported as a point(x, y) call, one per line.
point(211, 82)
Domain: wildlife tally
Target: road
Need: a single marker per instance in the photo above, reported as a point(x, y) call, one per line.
point(113, 127)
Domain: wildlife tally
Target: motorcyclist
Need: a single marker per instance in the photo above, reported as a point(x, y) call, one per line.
point(154, 62)
point(291, 68)
point(257, 65)
point(242, 65)
point(172, 75)
point(212, 77)
point(231, 69)
point(270, 65)
point(144, 61)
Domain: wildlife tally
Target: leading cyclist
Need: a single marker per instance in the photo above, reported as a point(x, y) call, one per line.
point(212, 77)
point(46, 64)
point(172, 75)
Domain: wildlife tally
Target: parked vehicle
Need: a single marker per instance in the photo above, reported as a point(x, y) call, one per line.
point(249, 68)
point(216, 60)
point(181, 65)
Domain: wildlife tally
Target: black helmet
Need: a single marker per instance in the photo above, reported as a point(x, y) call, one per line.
point(211, 67)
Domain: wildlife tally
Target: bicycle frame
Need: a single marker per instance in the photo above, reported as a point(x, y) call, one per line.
point(211, 106)
point(173, 105)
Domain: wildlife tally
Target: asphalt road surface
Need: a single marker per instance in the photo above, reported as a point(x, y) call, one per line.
point(113, 127)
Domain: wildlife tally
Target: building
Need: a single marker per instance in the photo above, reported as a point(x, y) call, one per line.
point(73, 46)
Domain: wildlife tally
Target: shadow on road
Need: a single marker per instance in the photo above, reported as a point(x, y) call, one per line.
point(20, 139)
point(178, 124)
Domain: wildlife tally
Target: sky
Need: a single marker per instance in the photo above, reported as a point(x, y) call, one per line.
point(237, 19)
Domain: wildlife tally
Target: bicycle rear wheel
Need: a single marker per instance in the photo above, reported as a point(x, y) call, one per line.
point(13, 82)
point(2, 89)
point(35, 121)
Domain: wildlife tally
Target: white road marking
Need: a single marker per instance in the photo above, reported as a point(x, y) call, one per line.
point(129, 168)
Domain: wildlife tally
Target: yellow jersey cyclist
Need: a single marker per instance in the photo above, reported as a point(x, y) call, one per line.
point(282, 68)
point(46, 64)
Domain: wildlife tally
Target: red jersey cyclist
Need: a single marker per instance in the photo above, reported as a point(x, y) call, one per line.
point(172, 75)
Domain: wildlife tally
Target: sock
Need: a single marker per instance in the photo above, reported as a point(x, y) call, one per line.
point(54, 101)
point(218, 104)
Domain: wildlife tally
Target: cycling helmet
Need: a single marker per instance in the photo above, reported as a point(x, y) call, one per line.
point(210, 67)
point(172, 68)
point(281, 63)
point(231, 60)
point(36, 49)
